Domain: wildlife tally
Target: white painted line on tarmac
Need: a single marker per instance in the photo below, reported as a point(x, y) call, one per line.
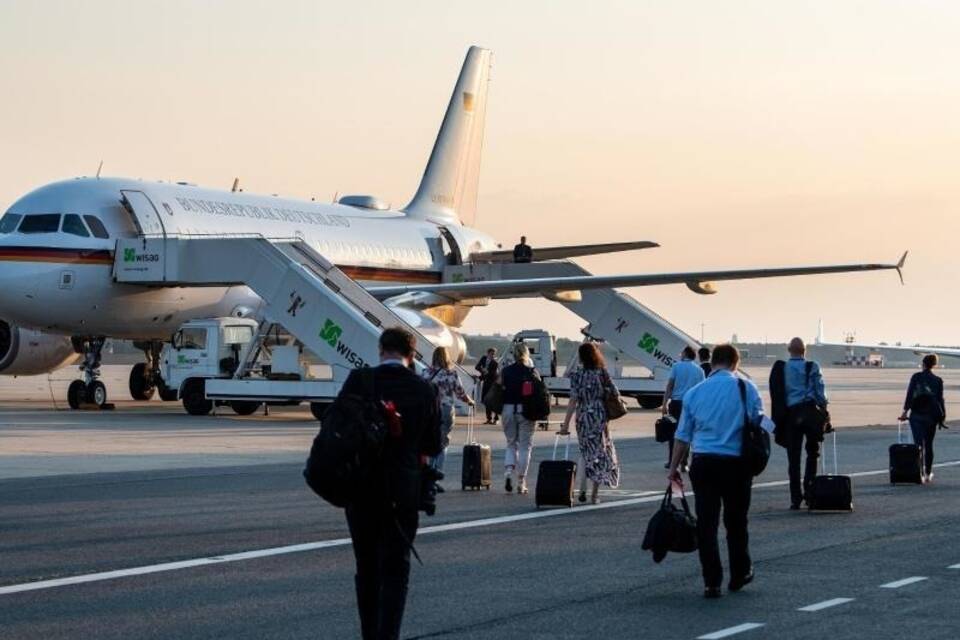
point(341, 542)
point(896, 584)
point(826, 604)
point(954, 566)
point(731, 631)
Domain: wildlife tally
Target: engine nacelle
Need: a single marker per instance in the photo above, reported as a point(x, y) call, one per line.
point(25, 352)
point(438, 333)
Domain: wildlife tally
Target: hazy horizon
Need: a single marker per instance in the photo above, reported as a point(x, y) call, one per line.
point(735, 134)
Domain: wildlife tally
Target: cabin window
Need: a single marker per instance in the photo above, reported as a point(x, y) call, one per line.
point(96, 227)
point(40, 223)
point(9, 222)
point(237, 334)
point(191, 338)
point(74, 225)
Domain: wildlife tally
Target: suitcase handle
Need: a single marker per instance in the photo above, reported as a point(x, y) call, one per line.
point(471, 416)
point(556, 443)
point(900, 424)
point(823, 461)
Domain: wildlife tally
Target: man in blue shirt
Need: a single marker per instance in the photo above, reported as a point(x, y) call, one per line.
point(797, 386)
point(684, 375)
point(712, 426)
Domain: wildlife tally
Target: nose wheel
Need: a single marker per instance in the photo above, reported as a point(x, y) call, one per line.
point(90, 391)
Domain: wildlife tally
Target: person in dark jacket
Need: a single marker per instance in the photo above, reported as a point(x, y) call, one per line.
point(384, 521)
point(522, 252)
point(703, 353)
point(927, 410)
point(489, 369)
point(517, 379)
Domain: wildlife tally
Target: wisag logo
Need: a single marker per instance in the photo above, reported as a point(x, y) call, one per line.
point(129, 255)
point(331, 332)
point(651, 344)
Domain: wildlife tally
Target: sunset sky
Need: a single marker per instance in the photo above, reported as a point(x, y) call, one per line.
point(735, 134)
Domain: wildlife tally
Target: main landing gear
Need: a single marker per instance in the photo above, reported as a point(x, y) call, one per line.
point(145, 379)
point(90, 390)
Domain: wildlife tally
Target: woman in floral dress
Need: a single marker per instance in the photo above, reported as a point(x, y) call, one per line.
point(587, 387)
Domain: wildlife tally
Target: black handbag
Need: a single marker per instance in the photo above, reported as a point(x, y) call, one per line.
point(671, 528)
point(756, 441)
point(664, 429)
point(493, 399)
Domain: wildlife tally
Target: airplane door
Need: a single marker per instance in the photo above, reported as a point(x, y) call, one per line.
point(145, 215)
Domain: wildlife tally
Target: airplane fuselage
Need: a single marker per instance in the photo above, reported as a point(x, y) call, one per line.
point(56, 274)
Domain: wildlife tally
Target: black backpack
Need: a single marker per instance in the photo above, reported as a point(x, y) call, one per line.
point(536, 406)
point(348, 450)
point(756, 441)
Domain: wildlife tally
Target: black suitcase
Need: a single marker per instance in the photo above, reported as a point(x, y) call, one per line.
point(477, 469)
point(555, 479)
point(664, 429)
point(831, 492)
point(906, 461)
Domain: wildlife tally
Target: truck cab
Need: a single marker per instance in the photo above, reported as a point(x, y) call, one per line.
point(543, 350)
point(203, 349)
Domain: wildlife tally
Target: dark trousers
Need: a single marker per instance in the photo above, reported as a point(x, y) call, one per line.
point(924, 428)
point(674, 409)
point(721, 481)
point(484, 388)
point(381, 545)
point(796, 434)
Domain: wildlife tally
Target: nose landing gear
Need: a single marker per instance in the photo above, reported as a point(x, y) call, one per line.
point(90, 390)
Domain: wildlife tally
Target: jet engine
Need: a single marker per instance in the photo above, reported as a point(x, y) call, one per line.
point(437, 332)
point(25, 352)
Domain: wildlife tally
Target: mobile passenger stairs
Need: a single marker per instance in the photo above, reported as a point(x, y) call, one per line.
point(325, 310)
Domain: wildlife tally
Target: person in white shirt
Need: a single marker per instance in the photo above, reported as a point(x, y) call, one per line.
point(684, 375)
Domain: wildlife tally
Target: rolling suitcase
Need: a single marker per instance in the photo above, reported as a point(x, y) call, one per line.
point(476, 470)
point(906, 461)
point(831, 492)
point(555, 479)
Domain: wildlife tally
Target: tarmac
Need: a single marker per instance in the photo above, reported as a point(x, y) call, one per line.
point(144, 522)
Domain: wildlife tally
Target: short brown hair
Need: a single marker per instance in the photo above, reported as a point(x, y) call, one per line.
point(725, 355)
point(398, 340)
point(930, 361)
point(590, 356)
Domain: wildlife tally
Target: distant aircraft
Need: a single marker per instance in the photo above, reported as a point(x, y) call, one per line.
point(916, 350)
point(58, 299)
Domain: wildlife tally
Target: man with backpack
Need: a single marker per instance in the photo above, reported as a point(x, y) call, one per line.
point(799, 404)
point(382, 511)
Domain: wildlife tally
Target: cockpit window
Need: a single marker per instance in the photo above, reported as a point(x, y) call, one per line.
point(96, 227)
point(9, 222)
point(73, 224)
point(40, 223)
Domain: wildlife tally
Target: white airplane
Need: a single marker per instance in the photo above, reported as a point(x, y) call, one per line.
point(918, 350)
point(58, 300)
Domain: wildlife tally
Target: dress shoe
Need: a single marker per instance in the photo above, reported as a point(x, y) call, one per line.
point(739, 583)
point(794, 506)
point(712, 593)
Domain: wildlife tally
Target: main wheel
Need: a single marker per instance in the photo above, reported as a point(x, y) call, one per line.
point(76, 394)
point(318, 409)
point(97, 393)
point(140, 386)
point(195, 398)
point(244, 407)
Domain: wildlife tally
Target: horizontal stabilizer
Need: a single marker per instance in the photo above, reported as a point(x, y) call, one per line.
point(561, 253)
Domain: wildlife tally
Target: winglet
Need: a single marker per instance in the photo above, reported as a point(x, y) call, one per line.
point(903, 261)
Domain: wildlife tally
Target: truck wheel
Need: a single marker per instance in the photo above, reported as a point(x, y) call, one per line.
point(244, 407)
point(140, 388)
point(195, 398)
point(650, 402)
point(318, 409)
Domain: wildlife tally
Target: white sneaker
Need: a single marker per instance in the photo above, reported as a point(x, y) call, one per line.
point(522, 490)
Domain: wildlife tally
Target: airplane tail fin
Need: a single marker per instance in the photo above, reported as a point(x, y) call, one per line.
point(448, 190)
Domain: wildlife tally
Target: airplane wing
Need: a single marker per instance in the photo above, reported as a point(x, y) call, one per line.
point(918, 350)
point(697, 281)
point(561, 253)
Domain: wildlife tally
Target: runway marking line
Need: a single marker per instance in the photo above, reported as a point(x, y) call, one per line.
point(731, 631)
point(896, 584)
point(655, 496)
point(826, 604)
point(954, 566)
